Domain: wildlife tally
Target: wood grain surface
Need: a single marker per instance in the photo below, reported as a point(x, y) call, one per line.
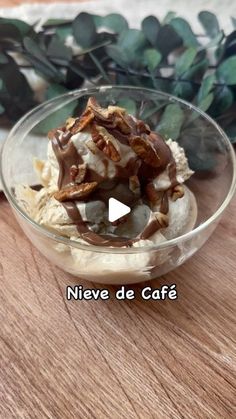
point(117, 359)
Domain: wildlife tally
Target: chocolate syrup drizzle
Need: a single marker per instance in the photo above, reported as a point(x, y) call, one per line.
point(67, 156)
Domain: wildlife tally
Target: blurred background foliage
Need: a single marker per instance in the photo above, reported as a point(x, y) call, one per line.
point(168, 56)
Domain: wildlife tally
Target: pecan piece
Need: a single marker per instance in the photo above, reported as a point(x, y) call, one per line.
point(75, 125)
point(113, 116)
point(105, 142)
point(134, 185)
point(177, 192)
point(75, 192)
point(162, 219)
point(145, 149)
point(78, 173)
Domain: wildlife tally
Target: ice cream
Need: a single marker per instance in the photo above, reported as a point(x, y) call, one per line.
point(108, 153)
point(104, 153)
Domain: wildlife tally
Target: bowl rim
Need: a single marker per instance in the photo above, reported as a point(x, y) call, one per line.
point(103, 249)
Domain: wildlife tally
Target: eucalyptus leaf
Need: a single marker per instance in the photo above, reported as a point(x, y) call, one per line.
point(39, 60)
point(129, 105)
point(58, 117)
point(63, 32)
point(168, 17)
point(55, 90)
point(227, 71)
point(121, 57)
point(84, 30)
point(222, 101)
point(184, 30)
point(56, 22)
point(210, 23)
point(132, 42)
point(185, 61)
point(57, 51)
point(17, 29)
point(171, 121)
point(206, 86)
point(197, 70)
point(168, 40)
point(151, 27)
point(152, 58)
point(206, 102)
point(183, 89)
point(114, 21)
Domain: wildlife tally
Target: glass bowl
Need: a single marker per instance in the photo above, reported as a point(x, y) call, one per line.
point(210, 155)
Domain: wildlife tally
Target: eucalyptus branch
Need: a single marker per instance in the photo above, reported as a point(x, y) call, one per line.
point(107, 47)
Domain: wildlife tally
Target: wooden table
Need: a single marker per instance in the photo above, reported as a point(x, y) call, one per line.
point(117, 359)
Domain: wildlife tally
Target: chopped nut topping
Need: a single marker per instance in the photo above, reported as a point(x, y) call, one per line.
point(134, 185)
point(162, 219)
point(75, 192)
point(106, 142)
point(177, 192)
point(144, 148)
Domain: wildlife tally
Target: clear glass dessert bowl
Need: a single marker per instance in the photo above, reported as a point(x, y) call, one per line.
point(209, 153)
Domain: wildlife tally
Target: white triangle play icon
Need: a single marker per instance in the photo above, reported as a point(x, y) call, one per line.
point(116, 210)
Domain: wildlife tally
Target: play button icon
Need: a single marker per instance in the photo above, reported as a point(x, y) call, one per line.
point(116, 210)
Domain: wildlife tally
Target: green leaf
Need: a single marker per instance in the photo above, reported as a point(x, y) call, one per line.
point(206, 102)
point(206, 86)
point(152, 58)
point(226, 71)
point(185, 61)
point(15, 29)
point(114, 21)
point(171, 121)
point(129, 105)
point(183, 90)
point(131, 40)
point(84, 30)
point(132, 43)
point(63, 32)
point(184, 30)
point(56, 22)
point(168, 17)
point(58, 117)
point(197, 70)
point(118, 55)
point(210, 23)
point(151, 27)
point(168, 40)
point(55, 90)
point(58, 52)
point(39, 60)
point(223, 100)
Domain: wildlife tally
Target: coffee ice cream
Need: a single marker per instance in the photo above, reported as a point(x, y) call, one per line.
point(107, 153)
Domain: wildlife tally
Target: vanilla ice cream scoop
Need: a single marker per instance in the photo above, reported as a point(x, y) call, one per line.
point(107, 153)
